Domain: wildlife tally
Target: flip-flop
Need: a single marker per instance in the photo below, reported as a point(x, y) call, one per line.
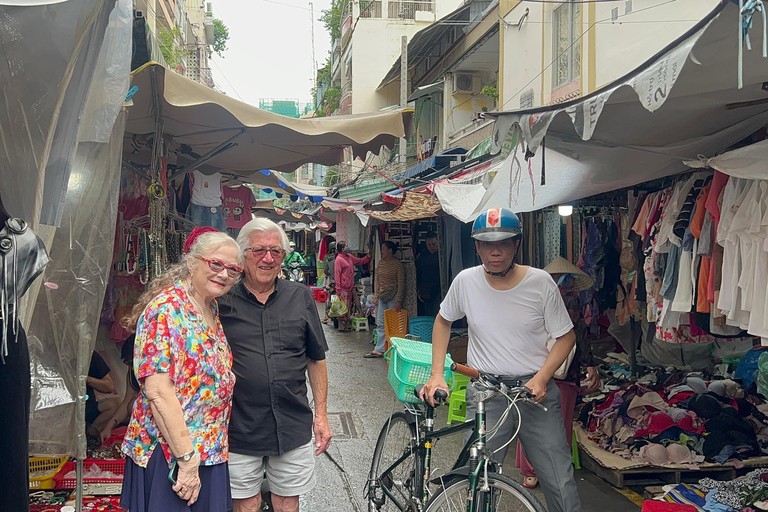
point(373, 355)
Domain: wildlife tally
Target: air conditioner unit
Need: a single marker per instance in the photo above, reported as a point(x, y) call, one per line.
point(466, 83)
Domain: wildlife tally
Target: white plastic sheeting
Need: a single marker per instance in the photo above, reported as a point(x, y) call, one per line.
point(64, 73)
point(750, 162)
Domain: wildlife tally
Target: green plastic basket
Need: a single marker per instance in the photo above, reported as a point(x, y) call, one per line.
point(410, 365)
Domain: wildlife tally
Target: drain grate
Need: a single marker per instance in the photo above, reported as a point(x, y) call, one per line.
point(343, 426)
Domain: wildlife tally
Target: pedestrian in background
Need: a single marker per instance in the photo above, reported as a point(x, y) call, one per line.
point(184, 367)
point(344, 271)
point(330, 278)
point(388, 292)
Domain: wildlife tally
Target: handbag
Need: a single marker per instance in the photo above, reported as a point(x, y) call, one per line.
point(338, 307)
point(387, 295)
point(562, 372)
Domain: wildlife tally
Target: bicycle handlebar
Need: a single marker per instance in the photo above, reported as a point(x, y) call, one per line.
point(524, 392)
point(465, 370)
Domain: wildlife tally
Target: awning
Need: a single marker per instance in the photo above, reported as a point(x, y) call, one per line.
point(689, 105)
point(242, 138)
point(749, 162)
point(422, 41)
point(426, 90)
point(414, 206)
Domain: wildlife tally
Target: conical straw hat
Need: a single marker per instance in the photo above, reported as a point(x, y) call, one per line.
point(562, 266)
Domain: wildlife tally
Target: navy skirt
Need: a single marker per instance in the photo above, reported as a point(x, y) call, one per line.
point(149, 490)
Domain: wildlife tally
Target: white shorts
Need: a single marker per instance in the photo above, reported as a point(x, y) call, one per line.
point(289, 474)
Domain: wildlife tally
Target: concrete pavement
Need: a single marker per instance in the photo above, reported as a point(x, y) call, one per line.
point(360, 401)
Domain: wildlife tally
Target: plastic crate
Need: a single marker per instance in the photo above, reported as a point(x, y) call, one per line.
point(116, 466)
point(410, 365)
point(45, 468)
point(421, 326)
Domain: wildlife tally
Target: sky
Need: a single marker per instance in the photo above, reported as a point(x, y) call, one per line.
point(269, 53)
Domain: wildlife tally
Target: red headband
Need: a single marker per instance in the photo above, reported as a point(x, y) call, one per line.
point(195, 234)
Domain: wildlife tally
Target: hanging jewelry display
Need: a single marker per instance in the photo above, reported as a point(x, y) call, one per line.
point(143, 265)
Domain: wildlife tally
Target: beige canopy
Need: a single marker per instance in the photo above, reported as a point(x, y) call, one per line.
point(234, 136)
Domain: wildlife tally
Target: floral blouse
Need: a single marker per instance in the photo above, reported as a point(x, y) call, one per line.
point(172, 337)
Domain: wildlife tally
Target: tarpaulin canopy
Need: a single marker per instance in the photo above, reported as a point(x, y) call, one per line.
point(749, 162)
point(237, 137)
point(682, 103)
point(414, 206)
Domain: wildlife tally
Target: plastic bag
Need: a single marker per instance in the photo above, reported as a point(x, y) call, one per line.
point(338, 307)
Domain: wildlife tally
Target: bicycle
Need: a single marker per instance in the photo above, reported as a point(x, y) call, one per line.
point(401, 467)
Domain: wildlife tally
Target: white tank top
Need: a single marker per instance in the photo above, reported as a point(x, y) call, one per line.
point(206, 189)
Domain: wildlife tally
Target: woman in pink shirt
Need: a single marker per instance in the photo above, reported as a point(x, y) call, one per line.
point(344, 272)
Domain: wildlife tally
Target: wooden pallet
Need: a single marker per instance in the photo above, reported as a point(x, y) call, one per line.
point(651, 475)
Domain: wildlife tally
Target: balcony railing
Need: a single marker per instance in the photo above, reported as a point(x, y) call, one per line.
point(407, 10)
point(370, 8)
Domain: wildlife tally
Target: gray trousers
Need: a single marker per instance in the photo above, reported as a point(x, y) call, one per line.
point(542, 435)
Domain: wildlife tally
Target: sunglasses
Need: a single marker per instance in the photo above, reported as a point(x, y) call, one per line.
point(217, 266)
point(260, 252)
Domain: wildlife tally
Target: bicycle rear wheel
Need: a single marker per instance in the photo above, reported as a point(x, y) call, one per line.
point(505, 495)
point(395, 441)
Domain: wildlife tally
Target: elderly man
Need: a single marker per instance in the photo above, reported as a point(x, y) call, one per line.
point(275, 334)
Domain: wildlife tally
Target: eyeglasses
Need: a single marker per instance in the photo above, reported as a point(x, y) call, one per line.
point(217, 266)
point(260, 252)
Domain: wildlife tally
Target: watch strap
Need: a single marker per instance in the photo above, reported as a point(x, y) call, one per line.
point(187, 456)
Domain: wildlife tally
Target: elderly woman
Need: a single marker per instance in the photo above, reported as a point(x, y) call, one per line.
point(177, 437)
point(344, 273)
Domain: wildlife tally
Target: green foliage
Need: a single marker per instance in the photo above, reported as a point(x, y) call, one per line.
point(172, 52)
point(331, 18)
point(491, 92)
point(332, 176)
point(220, 37)
point(330, 102)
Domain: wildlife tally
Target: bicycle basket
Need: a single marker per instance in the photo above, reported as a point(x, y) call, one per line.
point(410, 365)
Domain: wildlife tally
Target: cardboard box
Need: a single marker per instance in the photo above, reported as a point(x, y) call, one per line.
point(457, 347)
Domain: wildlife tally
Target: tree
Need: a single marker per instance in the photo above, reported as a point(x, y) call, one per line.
point(220, 37)
point(331, 18)
point(172, 53)
point(332, 176)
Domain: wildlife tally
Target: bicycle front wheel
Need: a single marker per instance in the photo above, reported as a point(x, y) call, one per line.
point(392, 488)
point(504, 495)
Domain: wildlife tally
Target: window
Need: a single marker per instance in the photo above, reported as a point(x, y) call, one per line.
point(566, 48)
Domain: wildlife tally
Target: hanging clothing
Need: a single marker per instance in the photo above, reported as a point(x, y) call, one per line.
point(206, 189)
point(237, 202)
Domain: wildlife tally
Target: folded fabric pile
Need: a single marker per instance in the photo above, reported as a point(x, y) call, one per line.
point(678, 419)
point(744, 494)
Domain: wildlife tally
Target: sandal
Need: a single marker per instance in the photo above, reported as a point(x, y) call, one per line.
point(373, 355)
point(531, 482)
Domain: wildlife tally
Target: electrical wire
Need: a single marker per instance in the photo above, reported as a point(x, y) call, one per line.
point(227, 79)
point(573, 43)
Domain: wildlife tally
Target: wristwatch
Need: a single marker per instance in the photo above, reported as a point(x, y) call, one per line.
point(187, 456)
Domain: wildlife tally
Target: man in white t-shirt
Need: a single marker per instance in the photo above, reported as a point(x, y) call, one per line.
point(512, 310)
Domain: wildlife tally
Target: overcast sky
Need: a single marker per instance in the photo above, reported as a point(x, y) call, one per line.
point(270, 50)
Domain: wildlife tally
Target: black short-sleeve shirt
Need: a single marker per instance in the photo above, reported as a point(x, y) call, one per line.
point(98, 370)
point(270, 345)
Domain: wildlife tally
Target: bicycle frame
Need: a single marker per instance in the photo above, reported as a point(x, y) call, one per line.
point(423, 451)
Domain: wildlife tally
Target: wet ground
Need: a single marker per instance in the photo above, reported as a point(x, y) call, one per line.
point(360, 401)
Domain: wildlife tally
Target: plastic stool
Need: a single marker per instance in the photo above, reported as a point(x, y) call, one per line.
point(575, 452)
point(457, 402)
point(360, 324)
